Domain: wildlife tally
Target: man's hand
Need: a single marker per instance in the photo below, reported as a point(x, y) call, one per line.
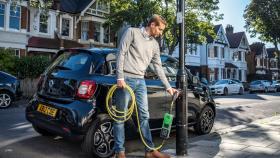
point(121, 84)
point(171, 91)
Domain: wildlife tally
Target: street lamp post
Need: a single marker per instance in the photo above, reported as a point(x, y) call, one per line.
point(181, 83)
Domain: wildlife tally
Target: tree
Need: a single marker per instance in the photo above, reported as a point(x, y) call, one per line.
point(198, 17)
point(262, 17)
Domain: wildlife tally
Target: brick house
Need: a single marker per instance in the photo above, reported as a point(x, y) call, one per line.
point(272, 56)
point(69, 23)
point(257, 60)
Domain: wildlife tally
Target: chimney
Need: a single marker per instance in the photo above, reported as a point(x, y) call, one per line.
point(229, 29)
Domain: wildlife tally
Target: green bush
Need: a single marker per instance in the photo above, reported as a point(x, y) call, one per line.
point(31, 66)
point(7, 60)
point(24, 67)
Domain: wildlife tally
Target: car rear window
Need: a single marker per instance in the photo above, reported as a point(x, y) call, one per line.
point(71, 61)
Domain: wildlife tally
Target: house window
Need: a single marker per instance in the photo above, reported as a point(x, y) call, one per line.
point(15, 17)
point(96, 35)
point(43, 23)
point(222, 52)
point(235, 56)
point(65, 27)
point(2, 14)
point(106, 34)
point(215, 51)
point(192, 48)
point(17, 53)
point(239, 56)
point(84, 30)
point(211, 52)
point(258, 62)
point(224, 73)
point(240, 75)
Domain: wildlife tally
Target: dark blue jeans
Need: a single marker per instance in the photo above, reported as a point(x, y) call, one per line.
point(138, 85)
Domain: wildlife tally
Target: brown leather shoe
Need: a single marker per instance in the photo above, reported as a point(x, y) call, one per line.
point(120, 155)
point(156, 154)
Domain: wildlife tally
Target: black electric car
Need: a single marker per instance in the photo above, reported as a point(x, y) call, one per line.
point(9, 89)
point(70, 100)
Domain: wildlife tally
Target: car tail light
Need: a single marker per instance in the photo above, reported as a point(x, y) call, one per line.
point(86, 89)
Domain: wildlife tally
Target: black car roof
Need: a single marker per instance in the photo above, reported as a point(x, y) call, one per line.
point(106, 51)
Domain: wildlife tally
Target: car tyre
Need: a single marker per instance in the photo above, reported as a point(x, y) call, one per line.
point(205, 121)
point(99, 140)
point(6, 99)
point(225, 91)
point(241, 91)
point(41, 131)
point(266, 90)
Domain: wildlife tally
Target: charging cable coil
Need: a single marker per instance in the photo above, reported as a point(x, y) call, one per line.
point(122, 116)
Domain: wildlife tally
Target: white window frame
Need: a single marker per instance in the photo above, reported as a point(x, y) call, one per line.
point(258, 62)
point(100, 32)
point(222, 49)
point(13, 29)
point(68, 17)
point(69, 27)
point(48, 24)
point(17, 53)
point(84, 28)
point(104, 35)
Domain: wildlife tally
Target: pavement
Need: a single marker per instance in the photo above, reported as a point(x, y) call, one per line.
point(258, 139)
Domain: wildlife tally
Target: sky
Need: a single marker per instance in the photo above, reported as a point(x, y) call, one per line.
point(233, 11)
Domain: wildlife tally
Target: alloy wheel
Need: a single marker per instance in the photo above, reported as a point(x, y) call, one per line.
point(207, 120)
point(5, 100)
point(104, 139)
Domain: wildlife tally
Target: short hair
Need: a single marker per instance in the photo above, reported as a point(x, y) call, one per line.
point(157, 19)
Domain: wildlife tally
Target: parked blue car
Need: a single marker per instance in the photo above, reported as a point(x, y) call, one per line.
point(9, 89)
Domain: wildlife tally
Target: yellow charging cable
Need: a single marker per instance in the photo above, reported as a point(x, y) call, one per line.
point(116, 115)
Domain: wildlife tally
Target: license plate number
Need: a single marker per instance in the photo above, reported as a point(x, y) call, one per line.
point(47, 110)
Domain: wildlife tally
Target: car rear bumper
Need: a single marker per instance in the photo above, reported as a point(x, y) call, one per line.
point(253, 89)
point(71, 120)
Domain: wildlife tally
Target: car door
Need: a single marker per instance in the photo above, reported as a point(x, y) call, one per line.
point(236, 86)
point(193, 93)
point(156, 98)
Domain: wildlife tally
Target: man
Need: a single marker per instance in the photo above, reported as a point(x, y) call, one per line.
point(138, 48)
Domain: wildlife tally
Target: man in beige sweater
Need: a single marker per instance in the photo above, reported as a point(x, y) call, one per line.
point(138, 48)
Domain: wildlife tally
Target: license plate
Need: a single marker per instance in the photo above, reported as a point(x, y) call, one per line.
point(47, 110)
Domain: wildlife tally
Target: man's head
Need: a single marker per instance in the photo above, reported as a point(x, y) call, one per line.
point(156, 25)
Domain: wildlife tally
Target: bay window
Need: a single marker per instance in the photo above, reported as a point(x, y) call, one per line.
point(84, 30)
point(106, 34)
point(96, 35)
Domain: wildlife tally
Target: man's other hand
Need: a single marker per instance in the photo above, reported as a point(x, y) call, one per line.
point(121, 84)
point(172, 91)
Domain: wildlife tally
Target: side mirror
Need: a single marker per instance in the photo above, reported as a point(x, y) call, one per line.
point(195, 80)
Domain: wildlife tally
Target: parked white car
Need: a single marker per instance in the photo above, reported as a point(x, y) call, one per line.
point(227, 86)
point(263, 86)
